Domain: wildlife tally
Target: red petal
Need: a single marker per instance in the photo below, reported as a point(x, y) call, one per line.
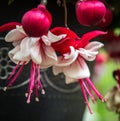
point(9, 26)
point(63, 46)
point(64, 30)
point(88, 36)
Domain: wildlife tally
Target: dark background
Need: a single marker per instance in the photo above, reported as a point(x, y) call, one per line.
point(61, 102)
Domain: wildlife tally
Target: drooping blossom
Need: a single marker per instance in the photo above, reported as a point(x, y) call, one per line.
point(28, 49)
point(107, 19)
point(73, 51)
point(28, 46)
point(90, 12)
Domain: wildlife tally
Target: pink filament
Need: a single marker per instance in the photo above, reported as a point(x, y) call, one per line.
point(32, 81)
point(38, 81)
point(35, 83)
point(13, 71)
point(87, 85)
point(84, 94)
point(17, 74)
point(89, 92)
point(94, 89)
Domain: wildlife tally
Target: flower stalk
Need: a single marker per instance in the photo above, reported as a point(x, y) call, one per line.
point(65, 11)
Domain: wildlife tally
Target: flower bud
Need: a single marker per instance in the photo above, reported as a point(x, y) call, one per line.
point(90, 12)
point(107, 19)
point(37, 21)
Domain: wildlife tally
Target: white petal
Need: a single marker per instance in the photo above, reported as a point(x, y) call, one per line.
point(24, 52)
point(35, 53)
point(94, 46)
point(20, 28)
point(55, 38)
point(69, 80)
point(45, 39)
point(14, 35)
point(56, 70)
point(90, 51)
point(67, 59)
point(51, 38)
point(77, 70)
point(73, 53)
point(49, 56)
point(50, 52)
point(88, 55)
point(12, 54)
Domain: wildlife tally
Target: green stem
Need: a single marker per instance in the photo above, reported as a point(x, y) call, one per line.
point(44, 2)
point(65, 10)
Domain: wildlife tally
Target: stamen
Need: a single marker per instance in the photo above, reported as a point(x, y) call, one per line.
point(95, 90)
point(36, 99)
point(89, 92)
point(15, 77)
point(31, 82)
point(35, 89)
point(38, 81)
point(29, 96)
point(14, 70)
point(84, 95)
point(43, 91)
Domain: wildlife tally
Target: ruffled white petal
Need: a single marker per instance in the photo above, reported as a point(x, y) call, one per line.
point(90, 51)
point(50, 38)
point(50, 52)
point(94, 46)
point(20, 28)
point(74, 71)
point(67, 58)
point(57, 70)
point(69, 80)
point(35, 52)
point(49, 56)
point(14, 35)
point(13, 57)
point(77, 70)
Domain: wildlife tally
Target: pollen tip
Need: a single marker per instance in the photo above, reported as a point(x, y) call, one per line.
point(37, 99)
point(43, 91)
point(26, 94)
point(104, 100)
point(28, 101)
point(5, 88)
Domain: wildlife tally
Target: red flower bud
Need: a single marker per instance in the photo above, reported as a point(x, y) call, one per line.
point(90, 12)
point(107, 19)
point(37, 21)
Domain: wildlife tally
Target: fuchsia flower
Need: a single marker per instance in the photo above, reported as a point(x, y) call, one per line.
point(28, 46)
point(26, 49)
point(73, 50)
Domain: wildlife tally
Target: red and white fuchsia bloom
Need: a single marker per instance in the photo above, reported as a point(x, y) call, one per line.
point(28, 46)
point(28, 49)
point(72, 52)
